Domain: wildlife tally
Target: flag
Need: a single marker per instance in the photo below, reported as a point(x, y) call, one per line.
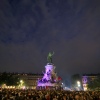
point(59, 78)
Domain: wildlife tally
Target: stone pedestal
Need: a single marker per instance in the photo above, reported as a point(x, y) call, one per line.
point(50, 78)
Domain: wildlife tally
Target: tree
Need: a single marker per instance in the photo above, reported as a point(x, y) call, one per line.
point(95, 84)
point(8, 79)
point(74, 79)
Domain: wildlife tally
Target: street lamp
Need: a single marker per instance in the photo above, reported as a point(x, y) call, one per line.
point(21, 83)
point(78, 83)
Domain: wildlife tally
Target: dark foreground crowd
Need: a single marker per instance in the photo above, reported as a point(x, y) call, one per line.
point(16, 94)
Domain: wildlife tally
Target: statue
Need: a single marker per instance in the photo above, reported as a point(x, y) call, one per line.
point(49, 57)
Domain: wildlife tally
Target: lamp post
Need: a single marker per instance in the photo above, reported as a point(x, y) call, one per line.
point(21, 83)
point(78, 84)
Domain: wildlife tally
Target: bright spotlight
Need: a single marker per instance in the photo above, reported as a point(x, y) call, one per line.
point(78, 83)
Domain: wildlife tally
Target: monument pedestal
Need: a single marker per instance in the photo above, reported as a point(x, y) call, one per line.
point(50, 78)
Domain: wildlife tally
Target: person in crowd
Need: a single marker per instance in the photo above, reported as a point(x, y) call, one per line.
point(29, 94)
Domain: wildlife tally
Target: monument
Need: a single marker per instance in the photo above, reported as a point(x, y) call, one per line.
point(50, 78)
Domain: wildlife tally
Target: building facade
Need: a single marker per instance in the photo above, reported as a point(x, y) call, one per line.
point(30, 80)
point(87, 78)
point(23, 80)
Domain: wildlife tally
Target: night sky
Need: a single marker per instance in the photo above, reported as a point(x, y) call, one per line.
point(30, 29)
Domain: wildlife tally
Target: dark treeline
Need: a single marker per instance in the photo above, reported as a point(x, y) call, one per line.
point(12, 79)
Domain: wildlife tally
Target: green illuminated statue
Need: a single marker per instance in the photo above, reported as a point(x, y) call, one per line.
point(49, 57)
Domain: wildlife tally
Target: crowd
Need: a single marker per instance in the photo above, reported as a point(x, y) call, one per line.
point(28, 94)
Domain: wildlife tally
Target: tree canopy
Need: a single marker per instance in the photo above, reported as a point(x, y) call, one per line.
point(8, 79)
point(95, 84)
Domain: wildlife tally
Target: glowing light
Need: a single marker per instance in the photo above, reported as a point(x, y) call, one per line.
point(78, 83)
point(21, 83)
